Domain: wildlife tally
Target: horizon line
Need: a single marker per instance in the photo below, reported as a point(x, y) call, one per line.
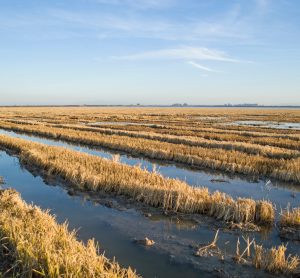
point(177, 105)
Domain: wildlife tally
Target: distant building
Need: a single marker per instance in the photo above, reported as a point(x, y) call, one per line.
point(179, 105)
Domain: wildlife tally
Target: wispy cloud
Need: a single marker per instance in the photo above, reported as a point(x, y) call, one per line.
point(140, 25)
point(131, 19)
point(114, 19)
point(181, 53)
point(201, 67)
point(139, 4)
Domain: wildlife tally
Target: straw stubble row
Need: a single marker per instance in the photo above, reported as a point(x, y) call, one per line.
point(91, 173)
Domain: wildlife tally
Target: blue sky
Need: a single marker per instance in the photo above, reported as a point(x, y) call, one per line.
point(149, 51)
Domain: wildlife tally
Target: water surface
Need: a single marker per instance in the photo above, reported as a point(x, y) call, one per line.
point(280, 193)
point(115, 229)
point(269, 124)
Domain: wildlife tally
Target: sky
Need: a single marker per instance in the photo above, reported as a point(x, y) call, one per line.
point(149, 52)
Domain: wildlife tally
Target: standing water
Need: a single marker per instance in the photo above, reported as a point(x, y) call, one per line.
point(280, 193)
point(115, 229)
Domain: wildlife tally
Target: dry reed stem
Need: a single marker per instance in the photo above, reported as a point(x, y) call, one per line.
point(177, 115)
point(240, 257)
point(213, 245)
point(225, 160)
point(290, 218)
point(87, 172)
point(249, 148)
point(275, 260)
point(39, 247)
point(288, 141)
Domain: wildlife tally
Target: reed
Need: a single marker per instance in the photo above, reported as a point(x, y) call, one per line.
point(289, 142)
point(249, 148)
point(199, 131)
point(181, 128)
point(272, 260)
point(203, 123)
point(154, 114)
point(290, 218)
point(226, 160)
point(275, 260)
point(34, 245)
point(90, 173)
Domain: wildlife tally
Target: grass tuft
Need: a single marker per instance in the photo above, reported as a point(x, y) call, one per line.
point(34, 245)
point(290, 218)
point(91, 173)
point(275, 260)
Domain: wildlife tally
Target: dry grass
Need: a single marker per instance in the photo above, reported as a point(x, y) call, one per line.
point(290, 218)
point(272, 260)
point(275, 260)
point(289, 224)
point(249, 148)
point(196, 137)
point(163, 122)
point(226, 160)
point(34, 245)
point(203, 131)
point(154, 114)
point(286, 141)
point(198, 122)
point(87, 172)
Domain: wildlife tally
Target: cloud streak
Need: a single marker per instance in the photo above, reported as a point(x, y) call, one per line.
point(140, 25)
point(139, 4)
point(201, 67)
point(131, 19)
point(181, 53)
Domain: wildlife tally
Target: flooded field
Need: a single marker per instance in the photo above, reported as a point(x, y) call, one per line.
point(280, 193)
point(117, 227)
point(120, 223)
point(105, 224)
point(276, 125)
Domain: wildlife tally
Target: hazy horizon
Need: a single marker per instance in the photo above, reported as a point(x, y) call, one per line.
point(101, 52)
point(176, 105)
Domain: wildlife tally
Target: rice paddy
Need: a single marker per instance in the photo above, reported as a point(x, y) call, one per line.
point(204, 139)
point(34, 245)
point(95, 174)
